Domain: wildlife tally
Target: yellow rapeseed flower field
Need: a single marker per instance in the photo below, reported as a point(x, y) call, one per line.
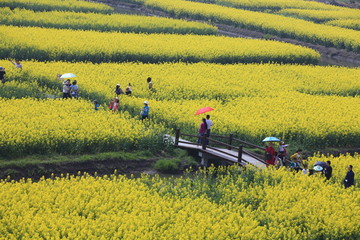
point(237, 204)
point(308, 105)
point(274, 4)
point(346, 23)
point(265, 22)
point(102, 22)
point(323, 15)
point(69, 45)
point(68, 126)
point(60, 5)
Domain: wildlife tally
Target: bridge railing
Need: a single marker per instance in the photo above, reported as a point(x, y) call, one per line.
point(204, 145)
point(229, 145)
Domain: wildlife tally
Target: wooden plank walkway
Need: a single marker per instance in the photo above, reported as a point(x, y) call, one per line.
point(222, 153)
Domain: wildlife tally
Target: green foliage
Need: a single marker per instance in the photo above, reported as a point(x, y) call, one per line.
point(36, 159)
point(168, 165)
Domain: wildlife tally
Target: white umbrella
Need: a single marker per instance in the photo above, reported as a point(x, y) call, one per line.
point(318, 168)
point(271, 139)
point(68, 75)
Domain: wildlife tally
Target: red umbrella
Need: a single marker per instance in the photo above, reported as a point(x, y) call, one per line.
point(203, 110)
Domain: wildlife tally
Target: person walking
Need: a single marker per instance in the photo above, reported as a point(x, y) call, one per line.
point(145, 111)
point(111, 104)
point(202, 130)
point(66, 89)
point(116, 105)
point(118, 90)
point(349, 178)
point(328, 170)
point(74, 88)
point(209, 123)
point(270, 154)
point(283, 152)
point(150, 84)
point(2, 73)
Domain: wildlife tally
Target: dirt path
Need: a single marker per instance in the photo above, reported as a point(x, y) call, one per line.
point(329, 55)
point(348, 4)
point(100, 167)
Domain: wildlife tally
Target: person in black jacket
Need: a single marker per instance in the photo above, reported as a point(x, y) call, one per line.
point(349, 179)
point(328, 170)
point(118, 90)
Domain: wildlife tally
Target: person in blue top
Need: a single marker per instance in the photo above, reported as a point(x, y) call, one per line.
point(96, 105)
point(145, 111)
point(74, 89)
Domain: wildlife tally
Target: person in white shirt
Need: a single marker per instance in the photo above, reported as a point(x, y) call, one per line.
point(17, 64)
point(305, 169)
point(209, 124)
point(66, 89)
point(74, 89)
point(282, 151)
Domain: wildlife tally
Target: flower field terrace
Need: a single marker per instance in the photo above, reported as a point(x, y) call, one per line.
point(69, 127)
point(69, 45)
point(281, 26)
point(346, 23)
point(274, 5)
point(60, 5)
point(253, 204)
point(322, 15)
point(307, 105)
point(102, 22)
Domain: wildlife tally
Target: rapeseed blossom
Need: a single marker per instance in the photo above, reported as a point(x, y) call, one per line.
point(103, 22)
point(60, 5)
point(307, 105)
point(97, 47)
point(265, 22)
point(251, 203)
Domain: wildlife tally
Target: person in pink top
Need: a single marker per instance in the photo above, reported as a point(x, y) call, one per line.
point(116, 104)
point(202, 130)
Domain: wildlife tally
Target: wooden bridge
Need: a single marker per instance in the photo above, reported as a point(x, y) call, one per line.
point(216, 149)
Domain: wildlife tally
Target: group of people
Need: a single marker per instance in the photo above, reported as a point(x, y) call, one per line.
point(118, 91)
point(128, 90)
point(17, 65)
point(70, 90)
point(114, 103)
point(280, 158)
point(297, 163)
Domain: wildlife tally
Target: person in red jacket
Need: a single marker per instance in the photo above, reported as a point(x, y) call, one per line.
point(270, 154)
point(202, 130)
